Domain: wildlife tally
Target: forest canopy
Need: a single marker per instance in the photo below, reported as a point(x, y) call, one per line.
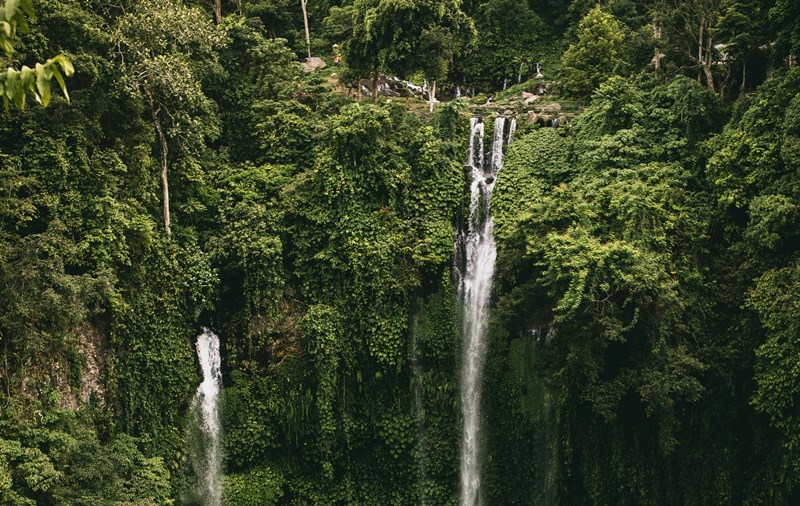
point(199, 169)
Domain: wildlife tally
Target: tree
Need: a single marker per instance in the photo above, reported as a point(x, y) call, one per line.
point(510, 34)
point(395, 33)
point(303, 4)
point(689, 30)
point(785, 16)
point(596, 56)
point(704, 15)
point(157, 41)
point(338, 25)
point(364, 49)
point(217, 11)
point(741, 28)
point(436, 48)
point(16, 84)
point(426, 36)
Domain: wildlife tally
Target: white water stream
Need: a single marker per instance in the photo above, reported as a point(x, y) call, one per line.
point(209, 461)
point(475, 286)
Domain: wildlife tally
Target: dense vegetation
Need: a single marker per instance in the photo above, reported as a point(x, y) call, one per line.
point(645, 334)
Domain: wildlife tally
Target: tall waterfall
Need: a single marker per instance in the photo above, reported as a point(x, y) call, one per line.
point(475, 256)
point(207, 457)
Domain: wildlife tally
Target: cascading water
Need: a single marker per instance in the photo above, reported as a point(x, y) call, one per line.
point(474, 272)
point(207, 458)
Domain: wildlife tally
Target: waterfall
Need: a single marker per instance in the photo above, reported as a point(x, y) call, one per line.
point(475, 256)
point(207, 457)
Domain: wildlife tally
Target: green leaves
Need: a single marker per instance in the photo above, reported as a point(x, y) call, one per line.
point(323, 329)
point(596, 56)
point(755, 154)
point(13, 19)
point(601, 234)
point(262, 486)
point(15, 8)
point(776, 298)
point(16, 84)
point(56, 457)
point(407, 35)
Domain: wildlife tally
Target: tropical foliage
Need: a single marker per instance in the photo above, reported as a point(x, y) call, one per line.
point(644, 339)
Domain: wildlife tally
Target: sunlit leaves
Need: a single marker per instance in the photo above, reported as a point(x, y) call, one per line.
point(597, 55)
point(16, 84)
point(14, 19)
point(261, 486)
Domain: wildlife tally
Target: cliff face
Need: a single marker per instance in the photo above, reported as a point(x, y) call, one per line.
point(80, 376)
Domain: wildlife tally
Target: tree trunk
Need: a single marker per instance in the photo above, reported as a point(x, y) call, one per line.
point(218, 11)
point(375, 75)
point(744, 75)
point(164, 180)
point(308, 34)
point(723, 88)
point(708, 64)
point(658, 54)
point(432, 95)
point(709, 77)
point(700, 48)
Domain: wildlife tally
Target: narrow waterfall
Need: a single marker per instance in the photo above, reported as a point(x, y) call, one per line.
point(207, 457)
point(475, 258)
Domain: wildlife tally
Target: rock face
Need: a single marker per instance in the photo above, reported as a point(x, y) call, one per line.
point(554, 108)
point(531, 99)
point(77, 374)
point(313, 63)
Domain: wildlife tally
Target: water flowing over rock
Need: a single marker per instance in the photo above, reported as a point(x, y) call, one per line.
point(475, 258)
point(207, 457)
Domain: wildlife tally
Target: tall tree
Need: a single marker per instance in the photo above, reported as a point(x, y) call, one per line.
point(785, 16)
point(597, 54)
point(157, 41)
point(217, 11)
point(394, 33)
point(510, 35)
point(436, 54)
point(741, 29)
point(303, 4)
point(704, 16)
point(689, 30)
point(365, 48)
